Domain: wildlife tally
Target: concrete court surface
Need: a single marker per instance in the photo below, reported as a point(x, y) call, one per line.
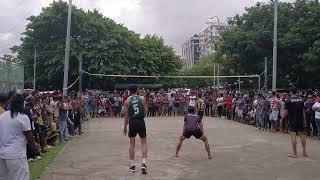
point(241, 152)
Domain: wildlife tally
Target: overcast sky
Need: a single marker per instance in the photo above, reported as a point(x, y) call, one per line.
point(174, 20)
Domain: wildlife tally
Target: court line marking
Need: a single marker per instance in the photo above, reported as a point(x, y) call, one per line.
point(233, 147)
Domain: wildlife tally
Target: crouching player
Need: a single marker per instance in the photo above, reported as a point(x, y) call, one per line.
point(193, 127)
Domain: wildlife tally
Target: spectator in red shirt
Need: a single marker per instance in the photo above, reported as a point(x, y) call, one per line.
point(228, 106)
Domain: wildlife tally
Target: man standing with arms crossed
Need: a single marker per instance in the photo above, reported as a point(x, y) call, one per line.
point(275, 109)
point(295, 111)
point(136, 109)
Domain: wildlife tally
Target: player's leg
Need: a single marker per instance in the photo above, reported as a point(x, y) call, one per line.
point(144, 148)
point(141, 129)
point(303, 143)
point(294, 144)
point(132, 134)
point(144, 155)
point(179, 145)
point(206, 144)
point(132, 154)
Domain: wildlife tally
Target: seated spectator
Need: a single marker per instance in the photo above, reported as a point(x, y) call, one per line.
point(53, 134)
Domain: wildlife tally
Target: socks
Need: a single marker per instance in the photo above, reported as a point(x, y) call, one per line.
point(132, 163)
point(144, 161)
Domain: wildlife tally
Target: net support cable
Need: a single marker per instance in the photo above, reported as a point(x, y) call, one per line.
point(71, 85)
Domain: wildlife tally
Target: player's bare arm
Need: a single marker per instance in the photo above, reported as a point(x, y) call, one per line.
point(126, 118)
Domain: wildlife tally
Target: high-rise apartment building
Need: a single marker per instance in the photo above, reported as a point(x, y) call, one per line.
point(209, 37)
point(202, 44)
point(190, 51)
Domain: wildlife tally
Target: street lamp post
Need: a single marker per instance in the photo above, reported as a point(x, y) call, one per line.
point(216, 80)
point(275, 39)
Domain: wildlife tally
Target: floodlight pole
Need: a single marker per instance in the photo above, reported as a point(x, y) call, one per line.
point(34, 68)
point(275, 39)
point(67, 52)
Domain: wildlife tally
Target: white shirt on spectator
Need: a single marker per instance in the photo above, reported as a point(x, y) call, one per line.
point(192, 101)
point(220, 101)
point(317, 114)
point(12, 140)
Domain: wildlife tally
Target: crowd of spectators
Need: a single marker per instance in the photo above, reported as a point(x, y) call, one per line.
point(46, 119)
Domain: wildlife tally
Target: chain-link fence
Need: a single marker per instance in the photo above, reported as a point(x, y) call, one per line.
point(11, 76)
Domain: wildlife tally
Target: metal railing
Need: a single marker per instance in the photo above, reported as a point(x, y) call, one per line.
point(11, 76)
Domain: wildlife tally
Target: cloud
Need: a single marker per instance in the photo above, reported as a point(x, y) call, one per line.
point(177, 20)
point(13, 14)
point(174, 20)
point(115, 9)
point(5, 36)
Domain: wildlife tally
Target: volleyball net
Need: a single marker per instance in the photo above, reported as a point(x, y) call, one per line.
point(236, 82)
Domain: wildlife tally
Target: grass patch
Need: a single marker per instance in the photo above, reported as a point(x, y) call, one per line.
point(39, 166)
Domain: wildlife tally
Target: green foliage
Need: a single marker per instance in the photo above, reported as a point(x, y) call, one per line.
point(9, 58)
point(246, 45)
point(107, 47)
point(203, 68)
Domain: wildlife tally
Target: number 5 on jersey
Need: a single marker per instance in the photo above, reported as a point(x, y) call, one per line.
point(136, 109)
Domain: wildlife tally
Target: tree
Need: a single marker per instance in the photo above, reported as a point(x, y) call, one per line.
point(10, 58)
point(107, 48)
point(246, 45)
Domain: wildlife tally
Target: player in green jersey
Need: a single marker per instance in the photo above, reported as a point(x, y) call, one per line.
point(136, 109)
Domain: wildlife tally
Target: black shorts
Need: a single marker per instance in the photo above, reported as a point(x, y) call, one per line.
point(196, 133)
point(295, 126)
point(201, 113)
point(137, 126)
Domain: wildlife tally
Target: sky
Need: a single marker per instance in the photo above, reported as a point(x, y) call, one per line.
point(174, 20)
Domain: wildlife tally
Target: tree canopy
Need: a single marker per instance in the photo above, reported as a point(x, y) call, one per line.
point(246, 45)
point(241, 50)
point(107, 48)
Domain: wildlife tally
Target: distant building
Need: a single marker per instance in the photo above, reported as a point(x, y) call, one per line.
point(209, 37)
point(190, 51)
point(202, 44)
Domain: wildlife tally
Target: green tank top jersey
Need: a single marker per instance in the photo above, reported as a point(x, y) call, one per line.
point(135, 108)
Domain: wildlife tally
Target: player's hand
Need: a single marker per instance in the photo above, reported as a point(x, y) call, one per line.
point(125, 131)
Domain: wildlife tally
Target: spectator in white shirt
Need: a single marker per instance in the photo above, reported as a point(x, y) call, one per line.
point(316, 108)
point(15, 133)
